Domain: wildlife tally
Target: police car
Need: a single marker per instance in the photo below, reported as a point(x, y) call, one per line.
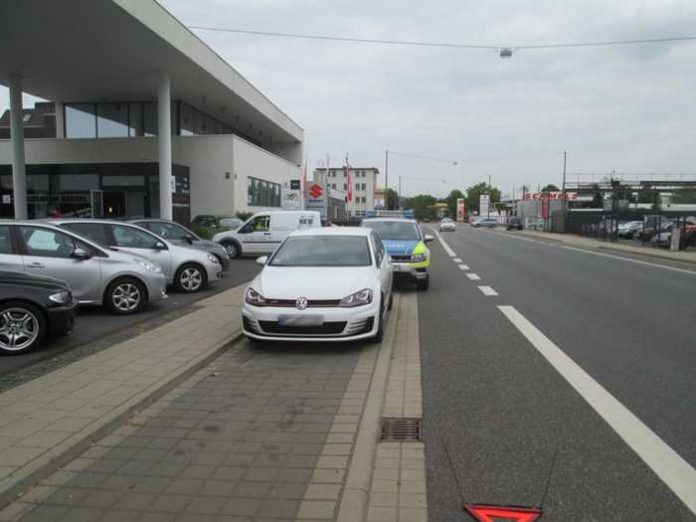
point(404, 243)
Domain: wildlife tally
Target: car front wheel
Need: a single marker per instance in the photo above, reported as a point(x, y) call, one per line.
point(22, 327)
point(190, 278)
point(423, 284)
point(232, 249)
point(125, 296)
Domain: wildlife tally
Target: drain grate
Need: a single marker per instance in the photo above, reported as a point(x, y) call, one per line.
point(402, 429)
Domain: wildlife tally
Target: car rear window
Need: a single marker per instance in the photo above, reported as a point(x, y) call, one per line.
point(323, 251)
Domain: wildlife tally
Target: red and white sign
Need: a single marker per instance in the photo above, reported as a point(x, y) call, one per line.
point(316, 191)
point(536, 196)
point(460, 209)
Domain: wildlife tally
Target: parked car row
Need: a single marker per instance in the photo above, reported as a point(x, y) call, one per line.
point(47, 267)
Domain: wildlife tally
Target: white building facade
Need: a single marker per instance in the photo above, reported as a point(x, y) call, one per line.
point(363, 181)
point(113, 81)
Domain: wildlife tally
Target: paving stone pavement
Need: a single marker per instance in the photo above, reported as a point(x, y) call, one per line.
point(241, 440)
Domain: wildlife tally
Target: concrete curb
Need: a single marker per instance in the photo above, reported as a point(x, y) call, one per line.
point(356, 492)
point(70, 448)
point(648, 253)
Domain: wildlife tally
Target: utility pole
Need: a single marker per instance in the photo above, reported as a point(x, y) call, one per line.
point(386, 179)
point(326, 190)
point(488, 214)
point(563, 191)
point(399, 200)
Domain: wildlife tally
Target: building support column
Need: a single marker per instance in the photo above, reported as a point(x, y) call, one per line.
point(164, 138)
point(19, 169)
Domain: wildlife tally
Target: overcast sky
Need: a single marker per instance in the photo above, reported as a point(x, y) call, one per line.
point(624, 109)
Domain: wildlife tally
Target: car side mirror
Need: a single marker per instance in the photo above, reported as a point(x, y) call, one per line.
point(160, 246)
point(189, 240)
point(81, 254)
point(262, 260)
point(427, 238)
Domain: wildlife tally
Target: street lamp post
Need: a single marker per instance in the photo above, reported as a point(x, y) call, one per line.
point(488, 208)
point(386, 179)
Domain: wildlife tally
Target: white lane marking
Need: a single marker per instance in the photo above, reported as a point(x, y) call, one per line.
point(447, 248)
point(458, 260)
point(473, 277)
point(636, 261)
point(463, 267)
point(601, 254)
point(666, 463)
point(487, 290)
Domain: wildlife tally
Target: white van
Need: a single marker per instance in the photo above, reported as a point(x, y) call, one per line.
point(263, 232)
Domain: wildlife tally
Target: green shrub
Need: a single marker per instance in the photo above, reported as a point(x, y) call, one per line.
point(244, 215)
point(204, 232)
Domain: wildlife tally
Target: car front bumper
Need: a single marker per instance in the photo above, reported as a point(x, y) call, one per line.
point(61, 319)
point(417, 271)
point(337, 324)
point(156, 286)
point(213, 271)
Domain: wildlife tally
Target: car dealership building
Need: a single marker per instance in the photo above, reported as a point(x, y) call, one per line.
point(116, 72)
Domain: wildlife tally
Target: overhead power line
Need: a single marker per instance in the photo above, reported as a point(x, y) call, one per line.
point(416, 43)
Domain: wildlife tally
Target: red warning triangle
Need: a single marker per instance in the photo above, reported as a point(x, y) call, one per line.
point(490, 513)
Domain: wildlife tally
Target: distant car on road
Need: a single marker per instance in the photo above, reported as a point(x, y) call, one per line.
point(187, 268)
point(32, 307)
point(121, 281)
point(447, 225)
point(321, 284)
point(485, 223)
point(514, 223)
point(180, 235)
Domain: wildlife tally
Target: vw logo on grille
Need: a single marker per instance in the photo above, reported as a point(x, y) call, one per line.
point(301, 303)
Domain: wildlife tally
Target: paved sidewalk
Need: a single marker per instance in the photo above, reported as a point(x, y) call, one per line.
point(262, 433)
point(685, 256)
point(49, 420)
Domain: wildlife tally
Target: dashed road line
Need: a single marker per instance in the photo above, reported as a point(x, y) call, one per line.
point(488, 291)
point(458, 260)
point(473, 277)
point(463, 267)
point(677, 474)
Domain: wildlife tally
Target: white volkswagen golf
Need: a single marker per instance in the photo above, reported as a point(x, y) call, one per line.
point(321, 284)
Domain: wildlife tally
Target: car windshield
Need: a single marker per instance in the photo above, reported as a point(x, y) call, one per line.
point(323, 251)
point(394, 230)
point(167, 230)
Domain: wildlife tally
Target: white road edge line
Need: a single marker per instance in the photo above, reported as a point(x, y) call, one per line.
point(667, 464)
point(458, 260)
point(487, 290)
point(447, 248)
point(473, 277)
point(636, 261)
point(601, 254)
point(463, 267)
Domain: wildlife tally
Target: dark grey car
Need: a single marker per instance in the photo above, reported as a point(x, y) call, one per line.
point(180, 235)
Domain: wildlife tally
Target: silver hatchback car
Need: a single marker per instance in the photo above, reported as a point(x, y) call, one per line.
point(182, 236)
point(122, 282)
point(188, 269)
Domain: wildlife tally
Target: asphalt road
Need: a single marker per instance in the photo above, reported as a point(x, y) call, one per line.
point(95, 323)
point(503, 426)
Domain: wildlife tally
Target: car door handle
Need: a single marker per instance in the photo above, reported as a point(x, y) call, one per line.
point(36, 265)
point(266, 233)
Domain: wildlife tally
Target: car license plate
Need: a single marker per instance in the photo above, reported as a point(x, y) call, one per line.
point(301, 320)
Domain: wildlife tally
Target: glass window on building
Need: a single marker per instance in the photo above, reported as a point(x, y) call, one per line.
point(135, 120)
point(187, 120)
point(80, 120)
point(150, 119)
point(262, 193)
point(112, 120)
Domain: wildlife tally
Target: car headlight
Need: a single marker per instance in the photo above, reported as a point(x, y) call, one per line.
point(253, 298)
point(419, 258)
point(62, 297)
point(213, 259)
point(360, 298)
point(147, 265)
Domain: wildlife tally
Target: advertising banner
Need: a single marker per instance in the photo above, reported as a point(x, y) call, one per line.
point(461, 210)
point(484, 204)
point(569, 196)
